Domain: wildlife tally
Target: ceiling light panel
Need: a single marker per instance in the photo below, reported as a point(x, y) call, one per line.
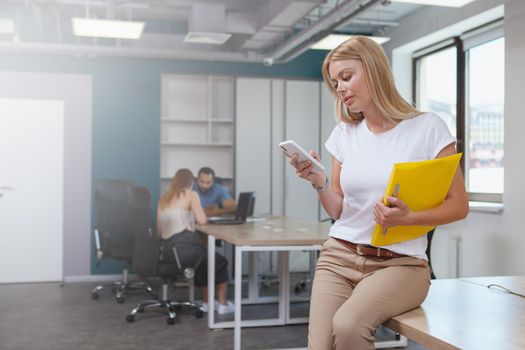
point(104, 28)
point(331, 41)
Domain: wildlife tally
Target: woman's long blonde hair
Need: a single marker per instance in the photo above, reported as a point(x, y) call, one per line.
point(378, 77)
point(182, 181)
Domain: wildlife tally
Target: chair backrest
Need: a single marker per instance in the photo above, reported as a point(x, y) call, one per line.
point(112, 218)
point(430, 235)
point(146, 250)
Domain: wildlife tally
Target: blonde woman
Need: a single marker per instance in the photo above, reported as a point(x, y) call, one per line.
point(357, 286)
point(178, 210)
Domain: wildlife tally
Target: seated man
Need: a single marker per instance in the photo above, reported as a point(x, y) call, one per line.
point(215, 199)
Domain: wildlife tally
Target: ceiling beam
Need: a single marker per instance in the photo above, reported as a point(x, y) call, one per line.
point(302, 41)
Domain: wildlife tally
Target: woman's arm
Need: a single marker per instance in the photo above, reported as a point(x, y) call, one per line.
point(196, 209)
point(454, 207)
point(228, 207)
point(331, 198)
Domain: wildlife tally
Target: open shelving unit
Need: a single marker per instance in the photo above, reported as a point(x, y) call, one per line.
point(197, 126)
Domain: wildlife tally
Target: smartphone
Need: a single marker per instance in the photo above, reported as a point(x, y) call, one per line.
point(290, 148)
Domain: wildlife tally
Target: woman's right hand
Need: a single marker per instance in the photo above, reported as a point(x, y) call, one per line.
point(304, 170)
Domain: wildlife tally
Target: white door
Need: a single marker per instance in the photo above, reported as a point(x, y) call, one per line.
point(31, 190)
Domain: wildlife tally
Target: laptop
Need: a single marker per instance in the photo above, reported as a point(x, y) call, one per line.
point(245, 205)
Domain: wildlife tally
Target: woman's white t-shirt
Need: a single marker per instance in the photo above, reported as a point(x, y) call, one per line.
point(366, 163)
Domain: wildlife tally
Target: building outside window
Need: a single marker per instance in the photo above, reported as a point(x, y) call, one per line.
point(462, 81)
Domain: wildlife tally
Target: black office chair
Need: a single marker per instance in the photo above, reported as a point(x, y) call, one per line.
point(113, 236)
point(430, 234)
point(146, 259)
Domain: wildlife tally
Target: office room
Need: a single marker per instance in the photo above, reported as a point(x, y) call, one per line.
point(99, 126)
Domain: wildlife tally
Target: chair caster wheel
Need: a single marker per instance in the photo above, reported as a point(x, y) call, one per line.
point(130, 318)
point(94, 296)
point(120, 300)
point(199, 313)
point(141, 310)
point(170, 321)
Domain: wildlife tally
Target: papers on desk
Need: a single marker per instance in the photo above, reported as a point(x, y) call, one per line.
point(255, 219)
point(250, 219)
point(221, 217)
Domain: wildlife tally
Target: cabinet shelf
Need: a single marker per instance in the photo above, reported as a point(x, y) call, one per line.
point(226, 178)
point(197, 123)
point(195, 120)
point(183, 120)
point(197, 144)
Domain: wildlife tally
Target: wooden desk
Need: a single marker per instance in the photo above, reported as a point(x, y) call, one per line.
point(465, 314)
point(513, 283)
point(271, 231)
point(274, 234)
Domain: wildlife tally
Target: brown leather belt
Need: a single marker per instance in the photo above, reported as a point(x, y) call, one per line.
point(368, 250)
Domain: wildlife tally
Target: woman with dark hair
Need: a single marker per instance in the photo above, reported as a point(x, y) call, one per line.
point(178, 210)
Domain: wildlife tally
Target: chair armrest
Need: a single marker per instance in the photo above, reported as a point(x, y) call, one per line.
point(98, 246)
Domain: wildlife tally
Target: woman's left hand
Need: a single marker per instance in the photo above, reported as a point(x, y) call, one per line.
point(396, 215)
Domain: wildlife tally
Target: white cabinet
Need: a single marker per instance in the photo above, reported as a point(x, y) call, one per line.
point(301, 125)
point(278, 159)
point(328, 122)
point(269, 111)
point(197, 126)
point(253, 109)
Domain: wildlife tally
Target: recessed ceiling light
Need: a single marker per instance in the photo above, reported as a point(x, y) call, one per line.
point(105, 28)
point(449, 3)
point(206, 38)
point(331, 41)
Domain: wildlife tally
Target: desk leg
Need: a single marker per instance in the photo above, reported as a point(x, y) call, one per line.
point(211, 279)
point(284, 286)
point(238, 299)
point(253, 278)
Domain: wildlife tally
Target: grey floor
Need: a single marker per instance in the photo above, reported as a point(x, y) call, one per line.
point(51, 316)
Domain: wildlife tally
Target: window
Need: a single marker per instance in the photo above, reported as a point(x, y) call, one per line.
point(437, 86)
point(484, 114)
point(462, 81)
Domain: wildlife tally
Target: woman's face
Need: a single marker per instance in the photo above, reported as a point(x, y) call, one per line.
point(348, 79)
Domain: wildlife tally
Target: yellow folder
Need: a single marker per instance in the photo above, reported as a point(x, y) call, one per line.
point(421, 185)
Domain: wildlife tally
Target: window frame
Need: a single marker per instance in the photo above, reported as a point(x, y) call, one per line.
point(463, 43)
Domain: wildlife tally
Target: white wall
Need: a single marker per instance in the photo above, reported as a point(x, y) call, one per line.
point(490, 244)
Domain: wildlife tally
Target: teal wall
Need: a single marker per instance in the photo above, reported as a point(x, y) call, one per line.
point(126, 108)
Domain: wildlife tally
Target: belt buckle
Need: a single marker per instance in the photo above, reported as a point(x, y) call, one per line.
point(358, 249)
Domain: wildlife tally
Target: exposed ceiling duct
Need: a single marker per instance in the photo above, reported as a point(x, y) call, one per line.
point(207, 24)
point(262, 31)
point(301, 42)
